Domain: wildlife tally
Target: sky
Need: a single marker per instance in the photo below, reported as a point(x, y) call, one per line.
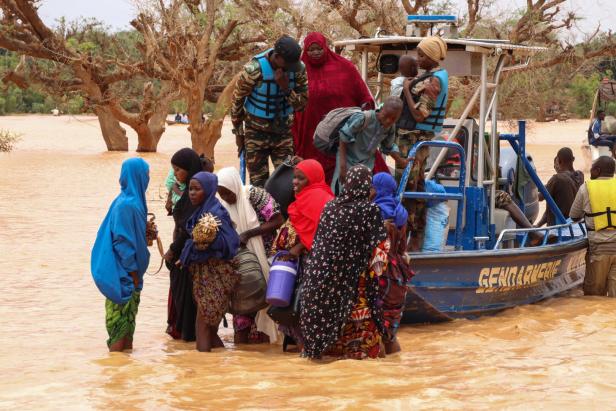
point(118, 13)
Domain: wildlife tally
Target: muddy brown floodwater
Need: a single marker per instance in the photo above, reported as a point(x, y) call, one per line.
point(55, 189)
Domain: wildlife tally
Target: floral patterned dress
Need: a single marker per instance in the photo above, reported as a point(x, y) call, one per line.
point(266, 207)
point(340, 315)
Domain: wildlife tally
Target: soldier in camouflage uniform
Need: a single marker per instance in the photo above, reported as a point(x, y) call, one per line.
point(425, 102)
point(271, 87)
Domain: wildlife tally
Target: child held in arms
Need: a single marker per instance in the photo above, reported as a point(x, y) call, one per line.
point(407, 65)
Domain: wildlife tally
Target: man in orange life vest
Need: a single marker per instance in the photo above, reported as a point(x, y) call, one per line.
point(596, 202)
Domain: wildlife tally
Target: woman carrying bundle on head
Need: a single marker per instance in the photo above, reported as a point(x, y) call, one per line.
point(297, 234)
point(209, 255)
point(256, 216)
point(339, 313)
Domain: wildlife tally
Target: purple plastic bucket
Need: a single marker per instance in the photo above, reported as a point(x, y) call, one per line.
point(281, 281)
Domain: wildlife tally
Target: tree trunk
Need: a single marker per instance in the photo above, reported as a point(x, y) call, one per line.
point(206, 135)
point(149, 139)
point(146, 141)
point(156, 128)
point(113, 134)
point(196, 127)
point(209, 136)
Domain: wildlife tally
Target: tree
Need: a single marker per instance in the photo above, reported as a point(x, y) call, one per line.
point(80, 57)
point(186, 43)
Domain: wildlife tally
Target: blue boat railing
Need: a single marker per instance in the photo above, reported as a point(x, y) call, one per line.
point(559, 228)
point(518, 143)
point(455, 193)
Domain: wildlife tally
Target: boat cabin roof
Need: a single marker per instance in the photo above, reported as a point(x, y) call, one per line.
point(470, 45)
point(463, 55)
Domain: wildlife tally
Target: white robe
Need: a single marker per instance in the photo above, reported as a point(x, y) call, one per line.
point(245, 218)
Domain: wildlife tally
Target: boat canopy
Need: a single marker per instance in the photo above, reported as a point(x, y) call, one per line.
point(463, 55)
point(471, 45)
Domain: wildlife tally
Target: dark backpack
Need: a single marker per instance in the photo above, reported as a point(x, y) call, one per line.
point(327, 134)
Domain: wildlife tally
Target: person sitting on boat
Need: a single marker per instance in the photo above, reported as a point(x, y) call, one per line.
point(420, 122)
point(504, 201)
point(595, 137)
point(178, 118)
point(562, 186)
point(184, 119)
point(361, 136)
point(596, 202)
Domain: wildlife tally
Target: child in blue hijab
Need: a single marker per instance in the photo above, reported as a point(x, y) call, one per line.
point(385, 187)
point(214, 269)
point(120, 256)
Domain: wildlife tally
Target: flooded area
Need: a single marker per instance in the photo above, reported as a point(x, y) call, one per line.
point(56, 187)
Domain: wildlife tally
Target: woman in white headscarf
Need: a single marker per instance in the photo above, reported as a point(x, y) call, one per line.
point(257, 217)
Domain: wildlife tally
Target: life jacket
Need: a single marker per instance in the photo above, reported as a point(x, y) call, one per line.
point(267, 100)
point(602, 195)
point(406, 120)
point(434, 121)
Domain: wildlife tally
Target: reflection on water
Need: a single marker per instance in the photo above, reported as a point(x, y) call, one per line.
point(552, 354)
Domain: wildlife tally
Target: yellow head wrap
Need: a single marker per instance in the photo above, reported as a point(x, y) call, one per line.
point(434, 47)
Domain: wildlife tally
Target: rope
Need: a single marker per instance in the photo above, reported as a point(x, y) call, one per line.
point(159, 245)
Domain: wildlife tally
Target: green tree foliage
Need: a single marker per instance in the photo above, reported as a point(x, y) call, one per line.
point(16, 100)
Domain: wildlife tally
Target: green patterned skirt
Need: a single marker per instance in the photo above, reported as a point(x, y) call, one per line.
point(120, 319)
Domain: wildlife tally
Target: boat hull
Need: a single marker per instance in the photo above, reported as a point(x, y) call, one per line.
point(470, 284)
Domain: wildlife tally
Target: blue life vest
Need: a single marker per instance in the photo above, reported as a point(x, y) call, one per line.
point(267, 100)
point(434, 122)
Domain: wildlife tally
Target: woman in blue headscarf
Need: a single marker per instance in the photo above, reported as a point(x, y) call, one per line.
point(385, 186)
point(120, 255)
point(390, 262)
point(213, 268)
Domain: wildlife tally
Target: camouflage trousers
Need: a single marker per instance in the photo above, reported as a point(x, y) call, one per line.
point(260, 147)
point(416, 182)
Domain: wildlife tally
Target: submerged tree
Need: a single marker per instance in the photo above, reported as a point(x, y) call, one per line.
point(81, 58)
point(192, 49)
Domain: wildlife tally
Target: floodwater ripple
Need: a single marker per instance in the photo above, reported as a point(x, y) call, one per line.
point(554, 355)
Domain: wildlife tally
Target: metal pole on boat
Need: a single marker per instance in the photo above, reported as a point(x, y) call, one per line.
point(364, 65)
point(482, 119)
point(494, 150)
point(379, 89)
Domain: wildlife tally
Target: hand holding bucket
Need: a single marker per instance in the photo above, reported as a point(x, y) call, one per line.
point(281, 282)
